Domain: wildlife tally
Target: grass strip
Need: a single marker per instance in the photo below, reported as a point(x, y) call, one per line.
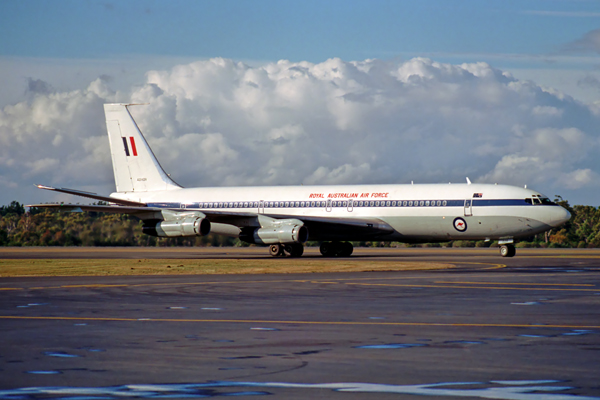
point(114, 267)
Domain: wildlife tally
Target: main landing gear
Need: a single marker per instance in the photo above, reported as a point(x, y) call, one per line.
point(336, 249)
point(290, 249)
point(507, 250)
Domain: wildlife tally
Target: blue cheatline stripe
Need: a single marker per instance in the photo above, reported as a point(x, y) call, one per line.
point(126, 147)
point(344, 204)
point(501, 202)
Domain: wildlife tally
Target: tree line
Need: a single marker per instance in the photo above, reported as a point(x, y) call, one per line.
point(47, 227)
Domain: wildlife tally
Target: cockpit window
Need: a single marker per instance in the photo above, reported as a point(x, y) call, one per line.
point(537, 200)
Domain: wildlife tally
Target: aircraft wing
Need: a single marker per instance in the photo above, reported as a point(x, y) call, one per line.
point(318, 226)
point(97, 208)
point(93, 196)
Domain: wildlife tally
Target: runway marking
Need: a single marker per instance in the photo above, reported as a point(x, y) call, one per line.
point(494, 266)
point(563, 256)
point(98, 285)
point(513, 283)
point(439, 284)
point(473, 287)
point(85, 286)
point(347, 323)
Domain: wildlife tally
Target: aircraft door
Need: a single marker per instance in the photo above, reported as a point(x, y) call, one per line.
point(261, 207)
point(468, 208)
point(350, 205)
point(328, 209)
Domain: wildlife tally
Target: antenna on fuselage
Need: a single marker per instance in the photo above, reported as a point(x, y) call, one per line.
point(468, 181)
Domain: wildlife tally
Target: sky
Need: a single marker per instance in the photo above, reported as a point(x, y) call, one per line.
point(276, 92)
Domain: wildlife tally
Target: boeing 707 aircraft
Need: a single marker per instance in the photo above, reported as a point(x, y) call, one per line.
point(285, 217)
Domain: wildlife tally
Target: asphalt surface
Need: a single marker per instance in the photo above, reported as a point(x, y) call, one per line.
point(521, 328)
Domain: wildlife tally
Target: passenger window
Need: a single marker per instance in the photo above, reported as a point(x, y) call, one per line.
point(426, 203)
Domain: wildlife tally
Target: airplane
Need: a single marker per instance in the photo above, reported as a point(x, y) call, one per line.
point(286, 217)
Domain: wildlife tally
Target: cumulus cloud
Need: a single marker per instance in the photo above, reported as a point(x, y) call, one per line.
point(222, 122)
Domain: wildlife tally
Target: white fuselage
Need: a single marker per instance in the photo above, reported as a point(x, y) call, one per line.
point(416, 213)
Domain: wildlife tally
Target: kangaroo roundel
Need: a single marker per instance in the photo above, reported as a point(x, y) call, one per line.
point(460, 224)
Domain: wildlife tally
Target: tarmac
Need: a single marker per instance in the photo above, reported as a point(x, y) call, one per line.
point(527, 327)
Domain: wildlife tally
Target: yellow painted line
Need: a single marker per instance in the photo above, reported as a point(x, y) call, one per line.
point(563, 256)
point(285, 322)
point(474, 287)
point(513, 283)
point(93, 286)
point(84, 286)
point(10, 288)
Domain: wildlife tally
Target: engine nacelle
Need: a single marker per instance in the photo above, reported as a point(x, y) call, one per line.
point(188, 226)
point(283, 231)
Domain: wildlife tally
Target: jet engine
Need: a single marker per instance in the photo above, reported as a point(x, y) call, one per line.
point(186, 226)
point(281, 231)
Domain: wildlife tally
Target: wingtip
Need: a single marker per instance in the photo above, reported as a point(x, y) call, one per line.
point(43, 187)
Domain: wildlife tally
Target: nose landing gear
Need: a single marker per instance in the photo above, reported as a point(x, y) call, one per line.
point(508, 250)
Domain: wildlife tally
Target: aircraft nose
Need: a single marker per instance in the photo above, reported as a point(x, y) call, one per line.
point(559, 216)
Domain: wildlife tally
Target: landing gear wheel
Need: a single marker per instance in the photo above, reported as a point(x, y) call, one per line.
point(345, 249)
point(336, 249)
point(327, 249)
point(276, 250)
point(508, 250)
point(294, 249)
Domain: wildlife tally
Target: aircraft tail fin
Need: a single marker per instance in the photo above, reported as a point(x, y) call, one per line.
point(135, 166)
